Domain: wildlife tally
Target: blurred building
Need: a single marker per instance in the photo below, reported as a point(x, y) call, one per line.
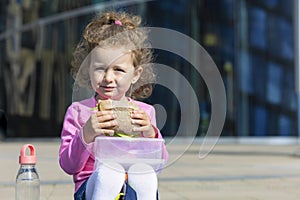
point(252, 42)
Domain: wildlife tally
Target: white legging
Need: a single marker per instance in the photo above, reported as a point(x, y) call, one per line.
point(107, 180)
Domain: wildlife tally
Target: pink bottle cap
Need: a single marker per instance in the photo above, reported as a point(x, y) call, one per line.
point(27, 159)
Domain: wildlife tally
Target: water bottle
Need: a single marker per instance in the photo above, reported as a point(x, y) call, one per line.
point(27, 181)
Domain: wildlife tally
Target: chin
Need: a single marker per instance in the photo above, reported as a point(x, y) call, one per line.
point(112, 97)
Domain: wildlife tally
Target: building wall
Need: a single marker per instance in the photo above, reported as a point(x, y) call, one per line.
point(250, 41)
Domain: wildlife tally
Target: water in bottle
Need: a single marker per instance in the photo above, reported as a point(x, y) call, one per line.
point(27, 181)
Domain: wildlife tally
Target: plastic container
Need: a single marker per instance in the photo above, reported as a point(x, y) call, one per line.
point(129, 151)
point(27, 180)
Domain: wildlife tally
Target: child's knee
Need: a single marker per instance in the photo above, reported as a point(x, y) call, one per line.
point(110, 170)
point(106, 181)
point(141, 168)
point(142, 178)
point(142, 173)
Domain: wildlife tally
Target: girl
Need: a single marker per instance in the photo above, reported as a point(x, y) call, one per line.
point(114, 60)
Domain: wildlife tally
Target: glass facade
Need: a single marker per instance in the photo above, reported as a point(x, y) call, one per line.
point(267, 98)
point(252, 42)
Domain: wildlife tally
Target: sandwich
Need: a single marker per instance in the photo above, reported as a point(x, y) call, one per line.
point(122, 110)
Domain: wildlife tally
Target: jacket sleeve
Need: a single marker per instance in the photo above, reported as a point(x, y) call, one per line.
point(73, 153)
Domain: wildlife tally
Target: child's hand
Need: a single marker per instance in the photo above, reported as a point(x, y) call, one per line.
point(141, 118)
point(100, 123)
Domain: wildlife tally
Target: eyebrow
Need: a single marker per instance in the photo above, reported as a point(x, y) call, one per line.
point(97, 64)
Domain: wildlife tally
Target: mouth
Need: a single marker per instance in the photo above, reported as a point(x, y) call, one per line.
point(107, 88)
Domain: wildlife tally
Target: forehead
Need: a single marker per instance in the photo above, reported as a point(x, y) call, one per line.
point(108, 55)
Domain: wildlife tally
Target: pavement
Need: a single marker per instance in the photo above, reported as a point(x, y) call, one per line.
point(231, 171)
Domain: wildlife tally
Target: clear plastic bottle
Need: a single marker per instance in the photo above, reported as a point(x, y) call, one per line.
point(27, 181)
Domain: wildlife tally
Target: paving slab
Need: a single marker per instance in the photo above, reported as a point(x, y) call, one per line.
point(230, 171)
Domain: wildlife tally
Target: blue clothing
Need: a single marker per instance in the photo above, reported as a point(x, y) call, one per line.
point(129, 194)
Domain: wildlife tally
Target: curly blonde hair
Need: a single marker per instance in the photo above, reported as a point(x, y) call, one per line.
point(103, 31)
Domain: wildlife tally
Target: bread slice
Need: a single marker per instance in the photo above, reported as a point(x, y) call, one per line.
point(122, 110)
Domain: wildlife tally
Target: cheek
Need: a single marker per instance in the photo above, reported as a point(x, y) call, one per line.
point(96, 77)
point(125, 80)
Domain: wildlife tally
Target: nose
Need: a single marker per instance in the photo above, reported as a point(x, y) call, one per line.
point(108, 76)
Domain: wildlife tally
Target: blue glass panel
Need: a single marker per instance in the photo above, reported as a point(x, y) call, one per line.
point(287, 89)
point(289, 93)
point(285, 126)
point(260, 121)
point(270, 3)
point(272, 122)
point(287, 6)
point(257, 27)
point(281, 38)
point(245, 73)
point(274, 36)
point(293, 101)
point(274, 85)
point(227, 42)
point(259, 76)
point(286, 36)
point(227, 9)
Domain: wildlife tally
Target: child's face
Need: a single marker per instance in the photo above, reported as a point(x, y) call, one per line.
point(112, 72)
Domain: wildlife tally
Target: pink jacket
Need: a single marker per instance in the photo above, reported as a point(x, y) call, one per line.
point(74, 156)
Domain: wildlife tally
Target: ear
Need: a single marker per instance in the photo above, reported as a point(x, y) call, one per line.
point(137, 74)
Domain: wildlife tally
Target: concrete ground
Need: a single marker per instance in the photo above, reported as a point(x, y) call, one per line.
point(230, 171)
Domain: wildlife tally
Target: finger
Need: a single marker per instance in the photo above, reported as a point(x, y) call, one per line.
point(141, 129)
point(104, 112)
point(105, 118)
point(107, 124)
point(135, 111)
point(107, 132)
point(139, 115)
point(140, 122)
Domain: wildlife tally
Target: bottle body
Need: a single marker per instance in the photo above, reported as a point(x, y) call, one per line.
point(27, 183)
